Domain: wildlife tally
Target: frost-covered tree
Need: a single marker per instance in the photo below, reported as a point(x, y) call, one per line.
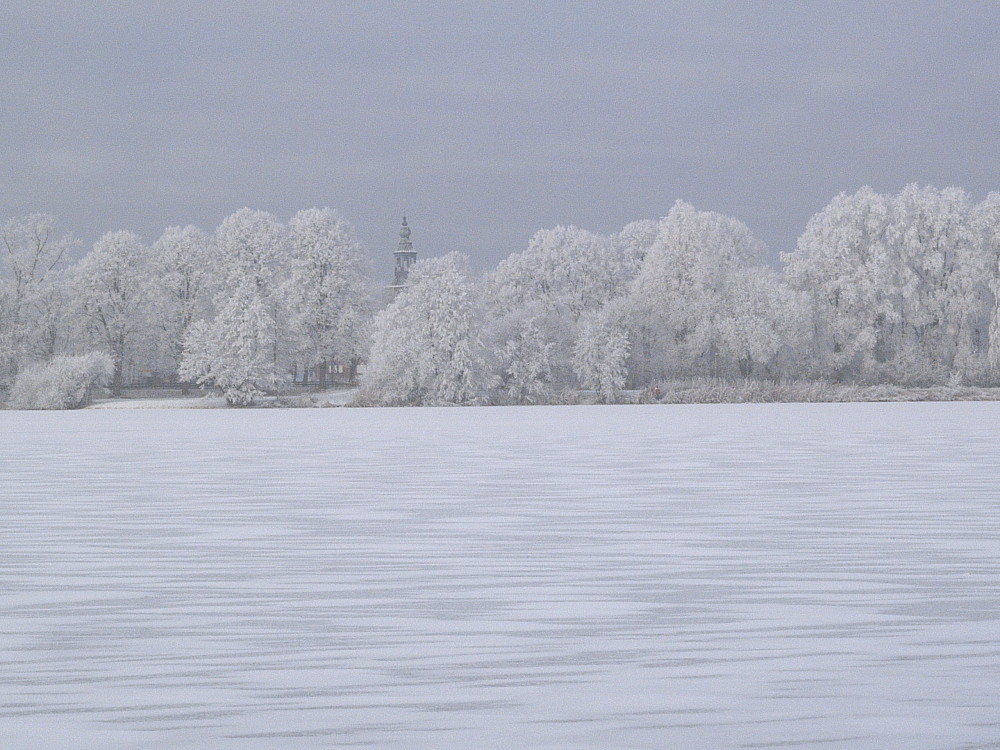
point(569, 270)
point(898, 288)
point(182, 269)
point(563, 274)
point(234, 352)
point(938, 265)
point(55, 327)
point(31, 255)
point(328, 291)
point(112, 288)
point(844, 263)
point(898, 285)
point(763, 331)
point(700, 303)
point(986, 223)
point(631, 245)
point(600, 355)
point(425, 347)
point(7, 357)
point(524, 363)
point(238, 351)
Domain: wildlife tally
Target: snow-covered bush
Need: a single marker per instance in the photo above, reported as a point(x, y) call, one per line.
point(65, 382)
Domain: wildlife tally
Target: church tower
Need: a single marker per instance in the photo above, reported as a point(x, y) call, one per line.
point(405, 256)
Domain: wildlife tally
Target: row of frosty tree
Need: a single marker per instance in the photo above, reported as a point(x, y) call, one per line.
point(881, 288)
point(242, 309)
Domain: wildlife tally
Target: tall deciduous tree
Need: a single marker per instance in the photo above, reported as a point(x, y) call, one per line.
point(328, 291)
point(899, 285)
point(524, 362)
point(939, 264)
point(986, 220)
point(112, 285)
point(426, 348)
point(564, 274)
point(32, 252)
point(690, 307)
point(844, 263)
point(239, 350)
point(600, 355)
point(182, 266)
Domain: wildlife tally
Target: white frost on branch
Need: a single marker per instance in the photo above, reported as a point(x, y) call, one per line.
point(426, 348)
point(238, 351)
point(327, 291)
point(599, 356)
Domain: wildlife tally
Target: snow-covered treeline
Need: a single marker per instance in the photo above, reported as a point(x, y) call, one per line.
point(881, 289)
point(247, 308)
point(897, 289)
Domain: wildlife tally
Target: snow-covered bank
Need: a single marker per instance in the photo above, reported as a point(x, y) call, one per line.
point(704, 391)
point(712, 391)
point(712, 576)
point(201, 401)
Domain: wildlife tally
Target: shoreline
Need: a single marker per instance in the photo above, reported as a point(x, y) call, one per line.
point(678, 394)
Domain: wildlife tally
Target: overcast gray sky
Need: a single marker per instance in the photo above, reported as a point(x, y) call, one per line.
point(485, 122)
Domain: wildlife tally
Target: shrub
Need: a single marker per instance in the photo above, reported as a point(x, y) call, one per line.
point(65, 382)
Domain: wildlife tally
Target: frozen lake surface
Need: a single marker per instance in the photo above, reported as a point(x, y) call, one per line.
point(743, 576)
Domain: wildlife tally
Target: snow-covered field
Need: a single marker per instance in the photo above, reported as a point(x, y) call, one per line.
point(750, 576)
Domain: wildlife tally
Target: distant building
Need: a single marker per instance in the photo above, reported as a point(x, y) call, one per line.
point(405, 256)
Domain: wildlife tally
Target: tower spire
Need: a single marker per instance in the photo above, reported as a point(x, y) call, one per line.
point(405, 257)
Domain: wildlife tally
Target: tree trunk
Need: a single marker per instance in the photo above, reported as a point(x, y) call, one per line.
point(119, 378)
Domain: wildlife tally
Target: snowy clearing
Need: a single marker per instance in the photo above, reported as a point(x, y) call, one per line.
point(717, 576)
